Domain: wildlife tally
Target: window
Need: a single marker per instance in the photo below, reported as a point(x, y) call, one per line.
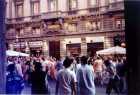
point(98, 25)
point(21, 32)
point(91, 3)
point(123, 23)
point(73, 4)
point(91, 26)
point(118, 23)
point(52, 4)
point(71, 27)
point(36, 31)
point(35, 7)
point(19, 10)
point(112, 1)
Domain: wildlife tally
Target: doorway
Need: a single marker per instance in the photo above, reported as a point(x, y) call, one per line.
point(54, 49)
point(93, 47)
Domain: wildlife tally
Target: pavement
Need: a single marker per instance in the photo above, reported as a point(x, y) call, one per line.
point(99, 91)
point(51, 88)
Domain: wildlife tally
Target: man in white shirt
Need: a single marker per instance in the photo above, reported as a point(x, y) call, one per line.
point(66, 80)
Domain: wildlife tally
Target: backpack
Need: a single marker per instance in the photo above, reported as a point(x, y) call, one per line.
point(14, 83)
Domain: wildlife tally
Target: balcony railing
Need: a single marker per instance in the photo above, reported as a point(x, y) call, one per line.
point(116, 6)
point(51, 15)
point(56, 14)
point(23, 19)
point(10, 35)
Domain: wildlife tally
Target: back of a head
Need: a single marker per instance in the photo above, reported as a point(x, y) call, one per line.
point(38, 66)
point(98, 57)
point(11, 68)
point(84, 60)
point(90, 60)
point(67, 62)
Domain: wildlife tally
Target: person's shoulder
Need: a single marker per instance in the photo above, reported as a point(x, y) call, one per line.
point(60, 71)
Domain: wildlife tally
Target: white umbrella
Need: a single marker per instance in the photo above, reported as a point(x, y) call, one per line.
point(112, 50)
point(24, 54)
point(15, 53)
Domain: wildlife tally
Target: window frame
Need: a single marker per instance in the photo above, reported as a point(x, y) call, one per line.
point(89, 5)
point(55, 7)
point(32, 7)
point(70, 5)
point(17, 10)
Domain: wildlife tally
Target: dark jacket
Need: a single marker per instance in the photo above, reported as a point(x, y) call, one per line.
point(38, 82)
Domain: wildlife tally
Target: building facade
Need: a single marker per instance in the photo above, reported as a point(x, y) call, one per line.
point(64, 27)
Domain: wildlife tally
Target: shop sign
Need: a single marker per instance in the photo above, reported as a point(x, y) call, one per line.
point(19, 44)
point(35, 44)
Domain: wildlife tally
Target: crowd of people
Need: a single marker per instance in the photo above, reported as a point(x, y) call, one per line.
point(71, 76)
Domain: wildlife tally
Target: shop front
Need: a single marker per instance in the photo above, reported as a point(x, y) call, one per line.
point(19, 46)
point(54, 49)
point(94, 44)
point(73, 49)
point(93, 47)
point(36, 48)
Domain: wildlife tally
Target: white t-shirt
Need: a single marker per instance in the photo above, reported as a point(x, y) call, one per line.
point(65, 78)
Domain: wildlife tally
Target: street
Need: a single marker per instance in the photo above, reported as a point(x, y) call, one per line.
point(99, 91)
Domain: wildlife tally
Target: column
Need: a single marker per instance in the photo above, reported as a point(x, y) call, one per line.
point(2, 47)
point(13, 10)
point(26, 8)
point(27, 49)
point(62, 48)
point(83, 47)
point(46, 48)
point(44, 6)
point(11, 46)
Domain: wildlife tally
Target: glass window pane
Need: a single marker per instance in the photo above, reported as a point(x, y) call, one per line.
point(19, 10)
point(72, 4)
point(35, 8)
point(92, 2)
point(52, 5)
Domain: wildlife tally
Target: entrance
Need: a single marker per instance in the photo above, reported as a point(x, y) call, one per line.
point(36, 51)
point(54, 49)
point(93, 47)
point(74, 49)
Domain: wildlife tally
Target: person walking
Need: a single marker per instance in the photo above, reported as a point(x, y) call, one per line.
point(66, 79)
point(14, 82)
point(99, 68)
point(38, 78)
point(114, 78)
point(85, 78)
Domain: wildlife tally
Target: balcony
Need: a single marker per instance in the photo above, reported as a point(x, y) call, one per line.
point(112, 7)
point(117, 6)
point(51, 15)
point(23, 19)
point(10, 35)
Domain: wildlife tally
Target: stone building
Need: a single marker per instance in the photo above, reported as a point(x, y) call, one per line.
point(63, 27)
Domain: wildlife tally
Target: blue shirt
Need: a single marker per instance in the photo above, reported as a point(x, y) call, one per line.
point(14, 83)
point(85, 79)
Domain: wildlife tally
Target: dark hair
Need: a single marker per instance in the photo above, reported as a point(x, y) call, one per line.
point(38, 66)
point(67, 62)
point(11, 68)
point(84, 60)
point(90, 60)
